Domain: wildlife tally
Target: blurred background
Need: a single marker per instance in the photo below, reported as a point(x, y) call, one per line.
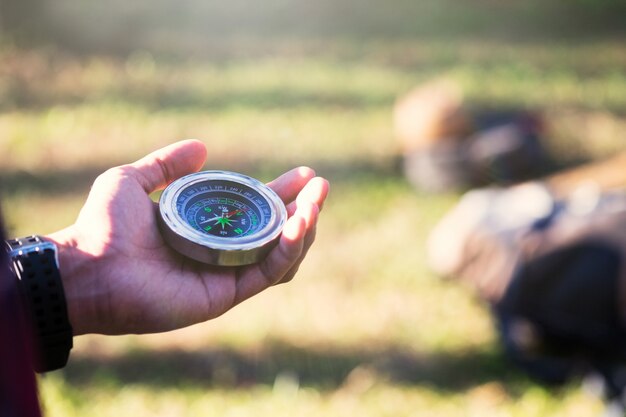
point(367, 329)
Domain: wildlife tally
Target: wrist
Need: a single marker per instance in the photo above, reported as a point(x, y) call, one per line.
point(34, 263)
point(75, 269)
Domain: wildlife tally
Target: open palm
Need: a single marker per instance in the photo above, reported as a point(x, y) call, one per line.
point(121, 277)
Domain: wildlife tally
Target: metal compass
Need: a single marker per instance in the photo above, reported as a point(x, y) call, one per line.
point(221, 217)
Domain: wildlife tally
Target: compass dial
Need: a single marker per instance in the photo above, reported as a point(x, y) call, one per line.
point(221, 217)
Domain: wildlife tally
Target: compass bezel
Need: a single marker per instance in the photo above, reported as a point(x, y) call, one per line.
point(206, 248)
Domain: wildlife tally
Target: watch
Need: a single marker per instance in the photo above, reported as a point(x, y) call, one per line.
point(35, 264)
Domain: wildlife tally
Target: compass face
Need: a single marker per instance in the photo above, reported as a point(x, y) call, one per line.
point(221, 217)
point(224, 209)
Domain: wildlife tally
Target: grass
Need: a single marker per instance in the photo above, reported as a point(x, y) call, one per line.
point(366, 329)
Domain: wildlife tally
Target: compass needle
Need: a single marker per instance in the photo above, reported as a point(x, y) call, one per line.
point(209, 220)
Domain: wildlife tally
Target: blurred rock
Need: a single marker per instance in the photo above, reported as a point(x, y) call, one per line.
point(446, 143)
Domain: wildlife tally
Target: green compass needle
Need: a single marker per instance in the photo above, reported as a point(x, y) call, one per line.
point(225, 221)
point(220, 219)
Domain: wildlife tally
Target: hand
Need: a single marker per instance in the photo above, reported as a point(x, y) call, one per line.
point(120, 276)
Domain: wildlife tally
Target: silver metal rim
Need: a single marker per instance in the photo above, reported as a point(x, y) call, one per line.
point(214, 250)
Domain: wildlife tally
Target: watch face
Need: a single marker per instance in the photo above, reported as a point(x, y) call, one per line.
point(221, 217)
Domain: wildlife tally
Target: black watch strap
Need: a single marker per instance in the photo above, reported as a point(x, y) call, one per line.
point(35, 264)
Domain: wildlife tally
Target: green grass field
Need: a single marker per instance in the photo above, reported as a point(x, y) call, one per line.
point(366, 329)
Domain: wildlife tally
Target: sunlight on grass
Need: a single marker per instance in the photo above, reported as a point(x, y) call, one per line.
point(99, 112)
point(362, 394)
point(37, 214)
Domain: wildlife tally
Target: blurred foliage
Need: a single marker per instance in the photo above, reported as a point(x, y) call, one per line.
point(166, 25)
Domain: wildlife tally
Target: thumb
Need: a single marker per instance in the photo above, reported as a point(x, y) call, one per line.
point(157, 169)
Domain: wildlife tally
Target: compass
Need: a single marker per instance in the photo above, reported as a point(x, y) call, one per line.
point(221, 218)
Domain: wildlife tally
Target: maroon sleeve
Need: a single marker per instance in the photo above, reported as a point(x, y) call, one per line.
point(18, 386)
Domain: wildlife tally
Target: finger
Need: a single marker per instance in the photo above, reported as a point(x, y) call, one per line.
point(310, 215)
point(308, 204)
point(288, 185)
point(315, 192)
point(290, 275)
point(157, 169)
point(278, 262)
